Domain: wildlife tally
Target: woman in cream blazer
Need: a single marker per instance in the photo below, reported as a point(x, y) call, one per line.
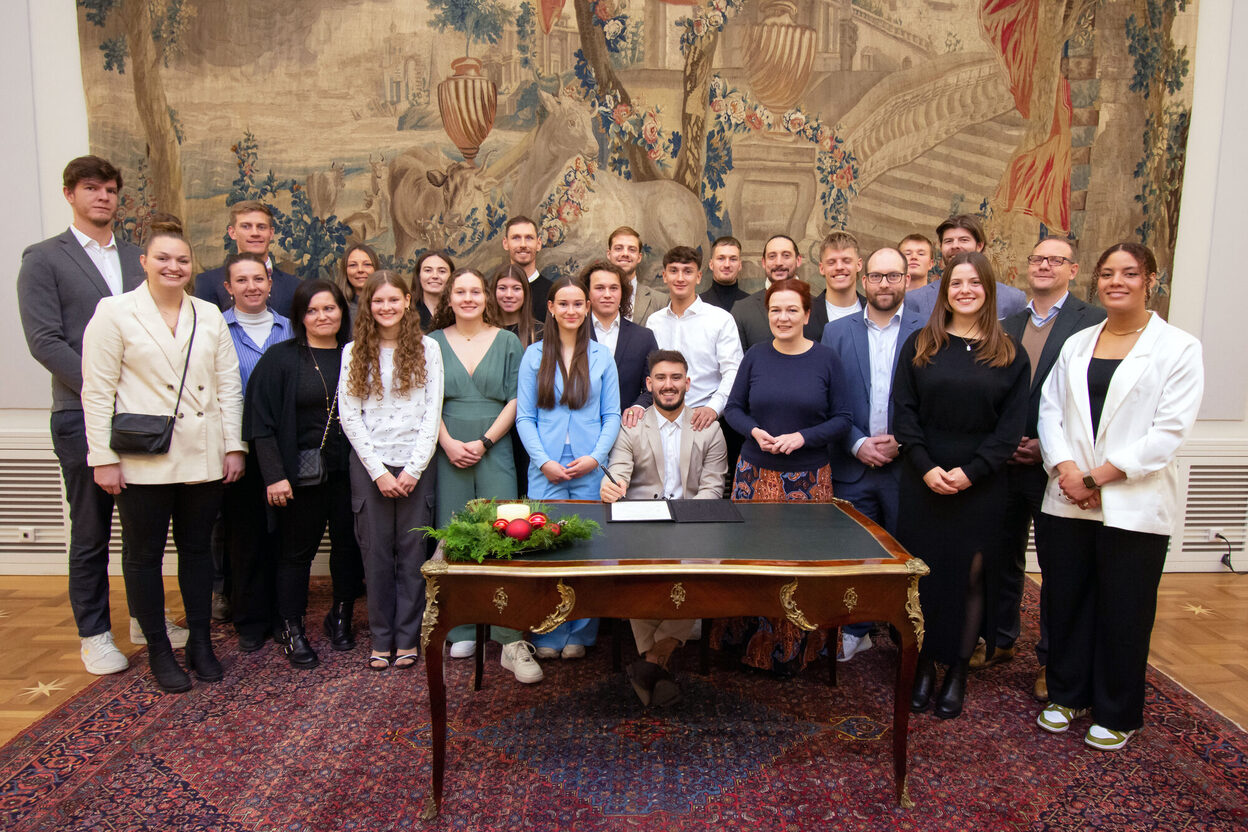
point(1117, 406)
point(133, 353)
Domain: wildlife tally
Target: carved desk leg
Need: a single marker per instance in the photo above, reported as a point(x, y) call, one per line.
point(433, 633)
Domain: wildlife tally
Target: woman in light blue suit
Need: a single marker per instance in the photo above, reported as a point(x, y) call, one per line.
point(567, 415)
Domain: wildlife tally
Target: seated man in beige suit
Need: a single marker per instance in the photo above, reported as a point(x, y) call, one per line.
point(662, 457)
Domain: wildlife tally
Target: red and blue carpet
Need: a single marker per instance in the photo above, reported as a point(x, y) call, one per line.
point(343, 748)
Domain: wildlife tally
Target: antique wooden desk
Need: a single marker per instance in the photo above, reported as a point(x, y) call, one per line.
point(819, 565)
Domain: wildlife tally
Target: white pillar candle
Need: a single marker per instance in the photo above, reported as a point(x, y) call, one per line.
point(513, 511)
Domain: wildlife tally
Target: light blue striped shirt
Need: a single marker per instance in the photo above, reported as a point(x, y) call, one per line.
point(248, 352)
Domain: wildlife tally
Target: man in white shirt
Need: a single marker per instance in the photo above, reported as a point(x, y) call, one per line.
point(521, 242)
point(60, 282)
point(920, 254)
point(706, 335)
point(864, 464)
point(690, 465)
point(624, 249)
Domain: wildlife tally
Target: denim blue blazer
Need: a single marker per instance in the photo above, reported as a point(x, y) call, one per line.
point(591, 430)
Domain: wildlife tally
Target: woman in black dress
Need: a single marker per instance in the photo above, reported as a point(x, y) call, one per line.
point(291, 410)
point(960, 398)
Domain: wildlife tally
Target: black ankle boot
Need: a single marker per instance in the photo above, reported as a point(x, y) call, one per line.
point(338, 625)
point(200, 658)
point(952, 691)
point(165, 668)
point(924, 684)
point(295, 645)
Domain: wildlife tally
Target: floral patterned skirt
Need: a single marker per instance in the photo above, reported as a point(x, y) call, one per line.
point(774, 644)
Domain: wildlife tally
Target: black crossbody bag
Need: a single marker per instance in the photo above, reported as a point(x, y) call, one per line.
point(142, 433)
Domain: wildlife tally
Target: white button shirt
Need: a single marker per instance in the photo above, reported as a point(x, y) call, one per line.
point(609, 335)
point(707, 337)
point(105, 258)
point(669, 432)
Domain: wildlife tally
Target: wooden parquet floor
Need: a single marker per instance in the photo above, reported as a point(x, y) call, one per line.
point(1200, 640)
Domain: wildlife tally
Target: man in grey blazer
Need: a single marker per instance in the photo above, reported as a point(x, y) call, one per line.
point(624, 249)
point(60, 282)
point(1052, 316)
point(663, 457)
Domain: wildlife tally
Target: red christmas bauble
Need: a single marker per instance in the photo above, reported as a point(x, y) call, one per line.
point(556, 529)
point(519, 529)
point(537, 519)
point(500, 525)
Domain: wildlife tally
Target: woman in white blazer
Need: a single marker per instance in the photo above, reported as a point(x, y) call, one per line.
point(134, 352)
point(1117, 406)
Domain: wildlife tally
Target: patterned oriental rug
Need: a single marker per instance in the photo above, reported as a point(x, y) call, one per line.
point(343, 748)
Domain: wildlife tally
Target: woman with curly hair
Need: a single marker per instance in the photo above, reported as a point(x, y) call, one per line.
point(357, 263)
point(390, 401)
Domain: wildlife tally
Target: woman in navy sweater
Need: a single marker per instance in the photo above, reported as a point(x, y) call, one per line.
point(786, 402)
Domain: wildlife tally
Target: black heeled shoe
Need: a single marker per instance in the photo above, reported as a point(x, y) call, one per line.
point(924, 685)
point(338, 625)
point(200, 658)
point(952, 691)
point(295, 645)
point(165, 668)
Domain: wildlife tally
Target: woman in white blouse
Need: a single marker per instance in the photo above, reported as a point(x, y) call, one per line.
point(390, 400)
point(1114, 412)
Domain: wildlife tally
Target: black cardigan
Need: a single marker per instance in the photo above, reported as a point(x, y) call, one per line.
point(269, 414)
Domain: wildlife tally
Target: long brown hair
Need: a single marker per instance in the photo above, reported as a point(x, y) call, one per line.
point(341, 278)
point(364, 375)
point(444, 316)
point(526, 329)
point(576, 377)
point(994, 347)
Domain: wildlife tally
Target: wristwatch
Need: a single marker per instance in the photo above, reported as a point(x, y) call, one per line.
point(487, 441)
point(1089, 482)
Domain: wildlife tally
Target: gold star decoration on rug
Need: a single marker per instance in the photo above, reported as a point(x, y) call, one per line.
point(42, 689)
point(1198, 610)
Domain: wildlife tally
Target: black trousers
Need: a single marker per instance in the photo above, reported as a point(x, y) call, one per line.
point(252, 547)
point(90, 525)
point(145, 514)
point(1022, 507)
point(302, 525)
point(1102, 600)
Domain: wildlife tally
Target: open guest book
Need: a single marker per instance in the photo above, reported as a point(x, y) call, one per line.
point(673, 511)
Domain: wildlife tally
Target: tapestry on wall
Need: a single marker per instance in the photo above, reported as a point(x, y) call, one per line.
point(418, 124)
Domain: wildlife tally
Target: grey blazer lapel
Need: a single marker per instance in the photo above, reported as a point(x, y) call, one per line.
point(75, 252)
point(686, 455)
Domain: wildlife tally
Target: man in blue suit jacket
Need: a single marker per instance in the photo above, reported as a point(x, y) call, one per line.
point(251, 229)
point(864, 467)
point(956, 235)
point(610, 301)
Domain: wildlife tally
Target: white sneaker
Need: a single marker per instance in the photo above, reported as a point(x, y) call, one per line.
point(573, 651)
point(101, 657)
point(851, 645)
point(463, 649)
point(547, 652)
point(1107, 739)
point(177, 635)
point(518, 658)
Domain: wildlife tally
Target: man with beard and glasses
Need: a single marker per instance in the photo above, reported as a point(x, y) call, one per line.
point(663, 457)
point(864, 466)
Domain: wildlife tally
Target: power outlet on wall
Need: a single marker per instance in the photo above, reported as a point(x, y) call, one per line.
point(1212, 533)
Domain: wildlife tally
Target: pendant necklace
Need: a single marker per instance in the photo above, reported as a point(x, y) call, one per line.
point(1132, 332)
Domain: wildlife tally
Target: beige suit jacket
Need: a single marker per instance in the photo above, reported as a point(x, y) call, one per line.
point(130, 358)
point(637, 459)
point(646, 302)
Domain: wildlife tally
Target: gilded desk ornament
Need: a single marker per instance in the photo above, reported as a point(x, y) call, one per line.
point(430, 812)
point(851, 599)
point(914, 611)
point(906, 802)
point(500, 599)
point(791, 611)
point(431, 607)
point(678, 594)
point(567, 601)
point(916, 566)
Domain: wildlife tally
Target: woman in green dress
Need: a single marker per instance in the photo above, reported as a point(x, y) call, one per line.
point(474, 443)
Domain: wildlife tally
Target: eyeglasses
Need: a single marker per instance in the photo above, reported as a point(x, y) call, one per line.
point(1055, 260)
point(875, 278)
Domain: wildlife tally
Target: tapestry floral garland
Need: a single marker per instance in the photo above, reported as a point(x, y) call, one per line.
point(565, 204)
point(734, 111)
